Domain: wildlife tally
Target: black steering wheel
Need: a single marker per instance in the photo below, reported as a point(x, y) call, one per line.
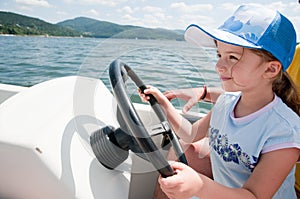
point(118, 72)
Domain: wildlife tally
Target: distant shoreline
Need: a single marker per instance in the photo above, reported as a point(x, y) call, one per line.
point(46, 36)
point(79, 37)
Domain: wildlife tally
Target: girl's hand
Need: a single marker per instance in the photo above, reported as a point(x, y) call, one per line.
point(190, 95)
point(161, 99)
point(186, 183)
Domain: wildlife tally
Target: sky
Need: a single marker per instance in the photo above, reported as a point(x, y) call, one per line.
point(176, 14)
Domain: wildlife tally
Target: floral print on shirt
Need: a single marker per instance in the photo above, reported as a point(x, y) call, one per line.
point(230, 152)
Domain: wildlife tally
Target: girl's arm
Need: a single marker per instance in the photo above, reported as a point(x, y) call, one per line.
point(263, 183)
point(183, 128)
point(194, 95)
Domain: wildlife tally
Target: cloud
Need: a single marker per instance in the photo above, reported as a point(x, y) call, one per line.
point(152, 9)
point(93, 12)
point(152, 16)
point(129, 19)
point(41, 3)
point(230, 7)
point(156, 20)
point(185, 20)
point(187, 14)
point(126, 9)
point(61, 13)
point(153, 20)
point(110, 3)
point(181, 6)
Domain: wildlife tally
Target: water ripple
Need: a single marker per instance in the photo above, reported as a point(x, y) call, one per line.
point(168, 65)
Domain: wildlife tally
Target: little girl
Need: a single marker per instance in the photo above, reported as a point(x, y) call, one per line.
point(253, 128)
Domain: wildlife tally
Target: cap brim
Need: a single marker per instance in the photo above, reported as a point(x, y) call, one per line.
point(205, 37)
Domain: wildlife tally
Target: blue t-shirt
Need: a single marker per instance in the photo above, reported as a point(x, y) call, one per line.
point(237, 143)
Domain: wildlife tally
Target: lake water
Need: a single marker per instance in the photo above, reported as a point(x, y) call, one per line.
point(167, 65)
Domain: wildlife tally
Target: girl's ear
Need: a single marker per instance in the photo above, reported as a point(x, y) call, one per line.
point(272, 69)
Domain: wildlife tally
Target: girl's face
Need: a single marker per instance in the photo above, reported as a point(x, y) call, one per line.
point(239, 68)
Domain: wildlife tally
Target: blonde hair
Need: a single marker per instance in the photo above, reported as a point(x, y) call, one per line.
point(283, 86)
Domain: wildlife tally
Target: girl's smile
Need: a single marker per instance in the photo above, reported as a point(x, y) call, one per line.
point(224, 78)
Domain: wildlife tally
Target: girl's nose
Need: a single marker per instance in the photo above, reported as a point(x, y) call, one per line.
point(221, 66)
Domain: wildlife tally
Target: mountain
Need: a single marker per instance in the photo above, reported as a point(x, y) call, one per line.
point(12, 23)
point(103, 29)
point(92, 27)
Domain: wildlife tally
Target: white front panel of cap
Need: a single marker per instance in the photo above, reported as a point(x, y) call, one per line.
point(248, 23)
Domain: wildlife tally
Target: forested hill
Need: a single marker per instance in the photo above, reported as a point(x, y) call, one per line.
point(103, 29)
point(11, 23)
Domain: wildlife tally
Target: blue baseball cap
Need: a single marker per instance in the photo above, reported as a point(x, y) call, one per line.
point(251, 26)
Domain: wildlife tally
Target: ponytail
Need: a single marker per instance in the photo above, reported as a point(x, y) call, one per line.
point(286, 89)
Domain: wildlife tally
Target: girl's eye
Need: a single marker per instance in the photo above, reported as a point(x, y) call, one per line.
point(231, 57)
